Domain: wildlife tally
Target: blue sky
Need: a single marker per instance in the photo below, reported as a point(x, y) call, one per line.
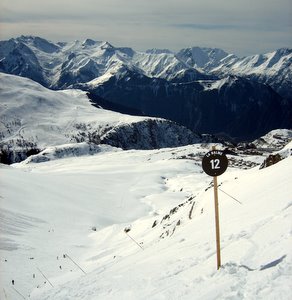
point(240, 27)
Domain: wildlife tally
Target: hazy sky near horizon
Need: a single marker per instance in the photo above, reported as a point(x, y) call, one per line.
point(242, 27)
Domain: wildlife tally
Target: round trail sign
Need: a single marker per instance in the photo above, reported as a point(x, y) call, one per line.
point(215, 163)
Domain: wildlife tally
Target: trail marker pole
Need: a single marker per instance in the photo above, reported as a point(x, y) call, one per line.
point(215, 163)
point(217, 222)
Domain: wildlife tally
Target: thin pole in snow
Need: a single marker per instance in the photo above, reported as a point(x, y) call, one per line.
point(45, 277)
point(230, 196)
point(17, 292)
point(133, 240)
point(5, 293)
point(75, 263)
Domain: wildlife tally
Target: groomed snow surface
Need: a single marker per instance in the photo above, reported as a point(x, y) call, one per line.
point(77, 209)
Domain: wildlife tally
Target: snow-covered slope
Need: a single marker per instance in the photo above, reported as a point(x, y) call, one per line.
point(275, 139)
point(33, 118)
point(78, 209)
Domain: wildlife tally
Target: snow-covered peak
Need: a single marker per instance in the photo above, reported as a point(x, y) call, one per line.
point(126, 52)
point(106, 45)
point(202, 58)
point(90, 43)
point(162, 64)
point(39, 44)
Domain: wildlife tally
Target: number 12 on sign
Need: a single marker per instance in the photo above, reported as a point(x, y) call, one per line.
point(215, 164)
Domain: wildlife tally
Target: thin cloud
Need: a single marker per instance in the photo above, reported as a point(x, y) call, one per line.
point(208, 26)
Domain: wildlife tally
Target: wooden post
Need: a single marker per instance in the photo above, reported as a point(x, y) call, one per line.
point(215, 163)
point(217, 219)
point(217, 223)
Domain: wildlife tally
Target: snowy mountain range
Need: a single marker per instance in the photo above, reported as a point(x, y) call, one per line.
point(204, 89)
point(51, 63)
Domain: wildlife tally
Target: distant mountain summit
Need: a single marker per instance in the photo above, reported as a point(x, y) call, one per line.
point(205, 89)
point(203, 58)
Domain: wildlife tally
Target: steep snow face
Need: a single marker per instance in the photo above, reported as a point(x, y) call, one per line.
point(33, 118)
point(79, 207)
point(17, 58)
point(157, 64)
